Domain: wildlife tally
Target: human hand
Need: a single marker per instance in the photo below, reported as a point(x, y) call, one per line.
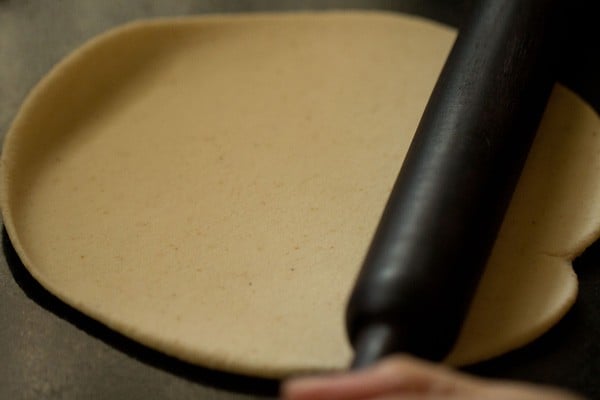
point(407, 378)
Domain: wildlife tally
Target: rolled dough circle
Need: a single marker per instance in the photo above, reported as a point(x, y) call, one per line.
point(208, 186)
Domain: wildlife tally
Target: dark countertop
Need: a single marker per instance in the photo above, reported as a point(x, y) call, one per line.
point(51, 351)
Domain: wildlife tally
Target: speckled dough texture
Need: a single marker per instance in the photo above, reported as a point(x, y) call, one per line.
point(208, 186)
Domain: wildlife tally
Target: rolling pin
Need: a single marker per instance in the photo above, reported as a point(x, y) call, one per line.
point(448, 202)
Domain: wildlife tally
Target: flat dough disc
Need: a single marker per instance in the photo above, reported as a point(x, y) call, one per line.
point(209, 186)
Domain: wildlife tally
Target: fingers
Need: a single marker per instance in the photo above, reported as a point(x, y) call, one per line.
point(353, 386)
point(399, 374)
point(407, 378)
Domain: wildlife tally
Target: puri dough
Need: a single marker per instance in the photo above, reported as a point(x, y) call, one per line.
point(208, 186)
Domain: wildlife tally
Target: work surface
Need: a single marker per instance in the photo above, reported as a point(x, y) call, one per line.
point(50, 351)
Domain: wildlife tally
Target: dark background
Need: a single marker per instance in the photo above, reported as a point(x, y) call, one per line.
point(50, 351)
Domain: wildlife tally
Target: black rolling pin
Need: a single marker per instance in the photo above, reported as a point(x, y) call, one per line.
point(452, 192)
